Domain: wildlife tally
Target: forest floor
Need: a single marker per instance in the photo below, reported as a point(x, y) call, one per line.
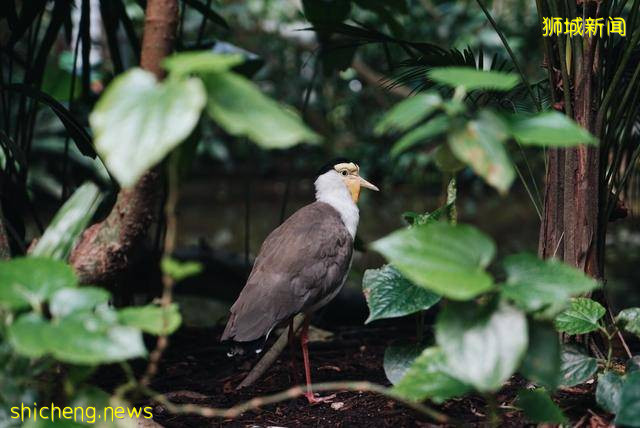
point(195, 369)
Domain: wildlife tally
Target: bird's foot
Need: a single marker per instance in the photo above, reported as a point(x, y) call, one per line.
point(317, 400)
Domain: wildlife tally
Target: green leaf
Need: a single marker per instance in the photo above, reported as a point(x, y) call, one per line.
point(538, 407)
point(446, 259)
point(534, 284)
point(28, 335)
point(201, 62)
point(576, 367)
point(138, 121)
point(428, 378)
point(473, 79)
point(581, 317)
point(69, 222)
point(483, 344)
point(548, 129)
point(633, 364)
point(609, 390)
point(151, 318)
point(31, 281)
point(542, 361)
point(391, 295)
point(629, 319)
point(69, 300)
point(629, 411)
point(239, 107)
point(480, 144)
point(408, 113)
point(179, 270)
point(446, 161)
point(415, 219)
point(398, 359)
point(421, 134)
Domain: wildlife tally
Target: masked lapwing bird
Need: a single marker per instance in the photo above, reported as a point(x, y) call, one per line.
point(302, 264)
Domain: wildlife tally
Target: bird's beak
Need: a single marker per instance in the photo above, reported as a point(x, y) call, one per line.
point(364, 183)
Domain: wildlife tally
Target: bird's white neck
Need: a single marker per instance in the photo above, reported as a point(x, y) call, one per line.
point(331, 190)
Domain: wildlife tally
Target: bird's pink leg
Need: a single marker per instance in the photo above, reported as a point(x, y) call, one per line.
point(304, 340)
point(294, 369)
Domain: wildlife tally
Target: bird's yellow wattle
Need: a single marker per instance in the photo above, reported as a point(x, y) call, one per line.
point(354, 189)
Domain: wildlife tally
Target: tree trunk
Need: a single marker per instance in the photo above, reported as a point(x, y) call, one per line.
point(106, 248)
point(5, 249)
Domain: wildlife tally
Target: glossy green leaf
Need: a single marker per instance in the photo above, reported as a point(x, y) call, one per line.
point(427, 378)
point(408, 113)
point(629, 319)
point(69, 222)
point(581, 317)
point(179, 270)
point(480, 144)
point(138, 121)
point(538, 407)
point(69, 300)
point(542, 361)
point(151, 318)
point(473, 79)
point(423, 133)
point(391, 295)
point(534, 284)
point(576, 367)
point(609, 390)
point(629, 410)
point(241, 109)
point(32, 280)
point(483, 344)
point(200, 62)
point(398, 359)
point(446, 259)
point(549, 129)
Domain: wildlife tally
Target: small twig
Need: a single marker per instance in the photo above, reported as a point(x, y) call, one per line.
point(271, 355)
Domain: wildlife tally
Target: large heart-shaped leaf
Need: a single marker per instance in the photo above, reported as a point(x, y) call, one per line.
point(398, 359)
point(580, 317)
point(629, 410)
point(576, 367)
point(483, 344)
point(630, 320)
point(542, 360)
point(239, 107)
point(609, 391)
point(138, 121)
point(471, 78)
point(550, 129)
point(391, 295)
point(480, 144)
point(446, 259)
point(69, 222)
point(409, 112)
point(427, 378)
point(31, 281)
point(151, 319)
point(538, 407)
point(534, 284)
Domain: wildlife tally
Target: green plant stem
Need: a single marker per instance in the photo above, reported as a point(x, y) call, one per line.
point(493, 414)
point(452, 196)
point(511, 54)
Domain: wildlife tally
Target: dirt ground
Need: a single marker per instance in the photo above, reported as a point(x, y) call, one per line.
point(196, 370)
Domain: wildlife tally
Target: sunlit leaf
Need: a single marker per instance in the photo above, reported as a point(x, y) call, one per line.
point(398, 359)
point(580, 317)
point(69, 222)
point(200, 62)
point(427, 378)
point(241, 109)
point(483, 344)
point(446, 259)
point(408, 113)
point(630, 320)
point(609, 390)
point(391, 295)
point(534, 284)
point(541, 363)
point(538, 407)
point(151, 319)
point(421, 134)
point(576, 367)
point(550, 129)
point(473, 79)
point(629, 410)
point(68, 300)
point(138, 121)
point(31, 281)
point(480, 144)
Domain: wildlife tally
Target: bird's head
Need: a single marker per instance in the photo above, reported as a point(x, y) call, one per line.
point(339, 174)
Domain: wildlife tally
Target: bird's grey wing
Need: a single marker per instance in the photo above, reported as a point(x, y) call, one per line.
point(300, 263)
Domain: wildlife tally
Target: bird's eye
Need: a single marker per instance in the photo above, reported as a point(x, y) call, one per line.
point(344, 172)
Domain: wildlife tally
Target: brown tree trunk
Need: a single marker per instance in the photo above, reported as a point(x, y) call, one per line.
point(105, 249)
